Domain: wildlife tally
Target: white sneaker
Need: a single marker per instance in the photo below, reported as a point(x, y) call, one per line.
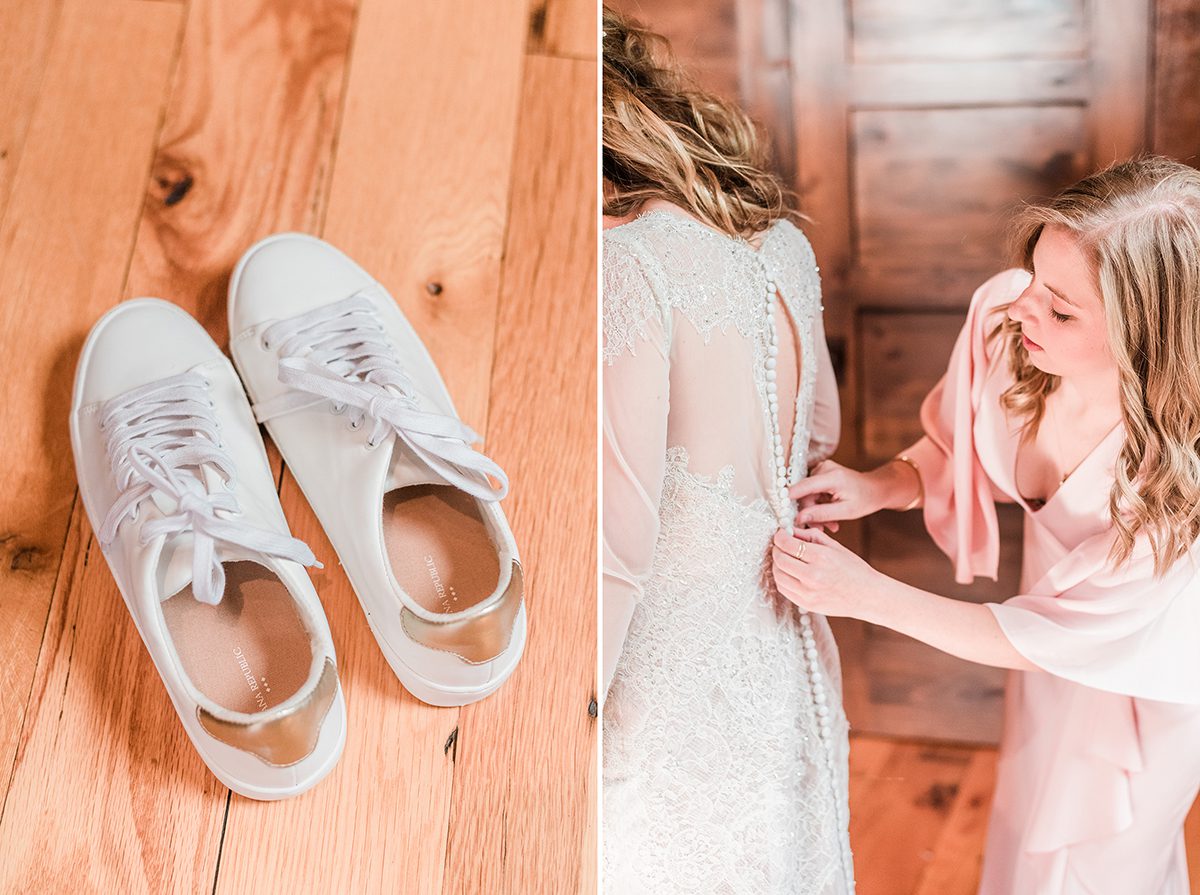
point(363, 420)
point(176, 484)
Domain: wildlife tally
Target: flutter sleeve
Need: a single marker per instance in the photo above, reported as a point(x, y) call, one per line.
point(1115, 629)
point(960, 508)
point(635, 404)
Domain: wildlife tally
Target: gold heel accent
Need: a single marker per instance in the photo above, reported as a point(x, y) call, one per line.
point(477, 639)
point(284, 740)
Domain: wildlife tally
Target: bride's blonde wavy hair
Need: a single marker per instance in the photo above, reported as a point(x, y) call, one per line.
point(665, 138)
point(1138, 222)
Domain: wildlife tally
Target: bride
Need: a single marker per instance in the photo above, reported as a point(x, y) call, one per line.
point(725, 743)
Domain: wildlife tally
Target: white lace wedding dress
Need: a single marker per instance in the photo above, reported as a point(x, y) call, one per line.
point(725, 743)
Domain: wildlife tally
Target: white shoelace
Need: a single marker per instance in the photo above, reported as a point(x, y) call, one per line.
point(157, 437)
point(339, 353)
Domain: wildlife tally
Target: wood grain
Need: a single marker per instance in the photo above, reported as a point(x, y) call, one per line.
point(1121, 102)
point(65, 241)
point(564, 28)
point(420, 196)
point(956, 864)
point(539, 735)
point(898, 811)
point(919, 813)
point(936, 187)
point(904, 357)
point(247, 144)
point(967, 29)
point(27, 32)
point(970, 83)
point(1176, 102)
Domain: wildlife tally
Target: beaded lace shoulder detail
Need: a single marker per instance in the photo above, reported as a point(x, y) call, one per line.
point(661, 262)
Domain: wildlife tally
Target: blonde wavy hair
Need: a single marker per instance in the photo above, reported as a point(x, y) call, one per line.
point(665, 138)
point(1138, 222)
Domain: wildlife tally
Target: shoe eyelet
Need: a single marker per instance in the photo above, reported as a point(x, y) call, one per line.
point(355, 425)
point(371, 445)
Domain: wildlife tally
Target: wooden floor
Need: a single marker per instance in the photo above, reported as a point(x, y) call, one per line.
point(450, 148)
point(918, 817)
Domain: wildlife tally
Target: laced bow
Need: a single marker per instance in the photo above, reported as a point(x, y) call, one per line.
point(340, 353)
point(157, 438)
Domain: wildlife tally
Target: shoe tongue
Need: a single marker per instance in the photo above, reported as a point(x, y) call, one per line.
point(175, 562)
point(406, 469)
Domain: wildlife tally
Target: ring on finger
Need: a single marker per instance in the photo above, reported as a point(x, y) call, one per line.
point(799, 554)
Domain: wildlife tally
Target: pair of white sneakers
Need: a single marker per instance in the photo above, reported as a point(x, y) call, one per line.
point(176, 484)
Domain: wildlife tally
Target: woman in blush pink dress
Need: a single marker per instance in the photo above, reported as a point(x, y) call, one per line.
point(1074, 391)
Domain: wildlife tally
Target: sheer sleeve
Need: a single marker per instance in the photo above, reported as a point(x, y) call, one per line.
point(960, 510)
point(1115, 629)
point(635, 404)
point(826, 414)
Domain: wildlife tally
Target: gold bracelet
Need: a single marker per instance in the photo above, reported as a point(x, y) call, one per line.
point(904, 458)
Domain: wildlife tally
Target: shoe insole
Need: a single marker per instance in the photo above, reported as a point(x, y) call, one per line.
point(439, 547)
point(251, 651)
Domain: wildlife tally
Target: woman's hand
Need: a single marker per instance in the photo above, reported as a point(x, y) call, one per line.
point(834, 492)
point(827, 578)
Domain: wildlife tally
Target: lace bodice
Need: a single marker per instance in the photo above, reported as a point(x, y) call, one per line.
point(724, 739)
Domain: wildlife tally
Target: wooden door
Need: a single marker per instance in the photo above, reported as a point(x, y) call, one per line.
point(919, 129)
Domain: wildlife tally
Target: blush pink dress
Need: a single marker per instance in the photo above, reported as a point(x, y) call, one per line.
point(1100, 758)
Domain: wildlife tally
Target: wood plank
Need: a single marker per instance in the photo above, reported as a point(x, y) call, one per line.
point(420, 187)
point(703, 37)
point(764, 79)
point(27, 29)
point(1121, 60)
point(952, 862)
point(942, 283)
point(916, 691)
point(908, 353)
point(65, 243)
point(566, 28)
point(534, 836)
point(247, 145)
point(419, 196)
point(937, 186)
point(1175, 101)
point(966, 29)
point(819, 63)
point(900, 686)
point(898, 811)
point(958, 854)
point(1191, 835)
point(819, 58)
point(236, 67)
point(107, 793)
point(969, 83)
